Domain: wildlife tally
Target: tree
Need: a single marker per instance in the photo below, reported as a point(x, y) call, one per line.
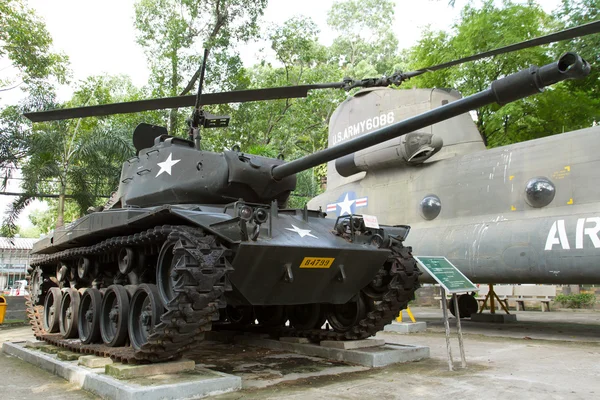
point(576, 12)
point(292, 127)
point(490, 26)
point(365, 37)
point(173, 31)
point(78, 158)
point(45, 221)
point(25, 42)
point(25, 49)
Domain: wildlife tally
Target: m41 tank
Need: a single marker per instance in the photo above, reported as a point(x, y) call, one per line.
point(194, 239)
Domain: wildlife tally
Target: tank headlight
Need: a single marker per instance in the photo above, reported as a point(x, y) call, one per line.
point(260, 215)
point(245, 212)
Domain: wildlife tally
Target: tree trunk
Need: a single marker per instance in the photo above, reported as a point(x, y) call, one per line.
point(174, 81)
point(60, 217)
point(173, 122)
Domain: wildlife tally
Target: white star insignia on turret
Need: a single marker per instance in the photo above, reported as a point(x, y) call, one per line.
point(166, 165)
point(301, 232)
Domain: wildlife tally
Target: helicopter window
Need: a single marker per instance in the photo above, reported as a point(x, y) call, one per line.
point(539, 191)
point(430, 207)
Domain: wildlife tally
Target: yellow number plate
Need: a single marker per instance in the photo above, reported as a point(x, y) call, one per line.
point(316, 262)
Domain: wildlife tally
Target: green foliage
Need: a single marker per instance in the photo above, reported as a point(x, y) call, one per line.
point(307, 187)
point(27, 64)
point(576, 12)
point(30, 232)
point(80, 158)
point(492, 26)
point(173, 32)
point(45, 221)
point(576, 300)
point(294, 127)
point(364, 36)
point(25, 41)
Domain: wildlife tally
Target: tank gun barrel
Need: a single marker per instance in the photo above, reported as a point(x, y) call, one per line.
point(502, 91)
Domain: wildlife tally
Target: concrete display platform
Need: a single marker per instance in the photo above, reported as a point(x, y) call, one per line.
point(200, 382)
point(406, 327)
point(497, 318)
point(375, 356)
point(550, 355)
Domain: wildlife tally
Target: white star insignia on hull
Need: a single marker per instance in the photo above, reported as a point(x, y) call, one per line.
point(301, 232)
point(166, 165)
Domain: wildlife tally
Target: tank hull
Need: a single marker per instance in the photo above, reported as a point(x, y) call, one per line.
point(162, 276)
point(261, 268)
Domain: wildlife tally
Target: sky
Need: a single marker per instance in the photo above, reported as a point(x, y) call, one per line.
point(99, 38)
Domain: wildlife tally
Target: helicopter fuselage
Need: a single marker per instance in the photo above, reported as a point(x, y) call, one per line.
point(472, 205)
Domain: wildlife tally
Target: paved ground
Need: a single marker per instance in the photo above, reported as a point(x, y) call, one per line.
point(20, 380)
point(544, 356)
point(582, 326)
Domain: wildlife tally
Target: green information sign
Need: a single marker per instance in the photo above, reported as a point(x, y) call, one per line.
point(446, 274)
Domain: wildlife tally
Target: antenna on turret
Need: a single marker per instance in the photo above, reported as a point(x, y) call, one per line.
point(201, 118)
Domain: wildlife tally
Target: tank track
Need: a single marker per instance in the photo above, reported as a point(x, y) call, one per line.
point(403, 273)
point(187, 316)
point(199, 289)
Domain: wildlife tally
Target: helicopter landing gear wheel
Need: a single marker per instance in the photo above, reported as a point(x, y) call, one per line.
point(240, 315)
point(343, 317)
point(467, 305)
point(52, 310)
point(88, 321)
point(69, 310)
point(306, 316)
point(270, 316)
point(113, 317)
point(145, 310)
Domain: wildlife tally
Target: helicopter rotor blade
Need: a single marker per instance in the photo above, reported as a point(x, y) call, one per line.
point(240, 96)
point(284, 92)
point(571, 33)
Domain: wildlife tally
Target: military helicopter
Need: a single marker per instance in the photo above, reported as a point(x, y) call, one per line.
point(522, 213)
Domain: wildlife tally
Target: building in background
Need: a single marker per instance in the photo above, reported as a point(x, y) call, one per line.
point(14, 260)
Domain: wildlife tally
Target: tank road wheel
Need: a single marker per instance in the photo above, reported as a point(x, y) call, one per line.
point(270, 316)
point(306, 316)
point(126, 260)
point(69, 309)
point(240, 315)
point(343, 317)
point(145, 310)
point(52, 310)
point(62, 270)
point(88, 321)
point(84, 268)
point(113, 317)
